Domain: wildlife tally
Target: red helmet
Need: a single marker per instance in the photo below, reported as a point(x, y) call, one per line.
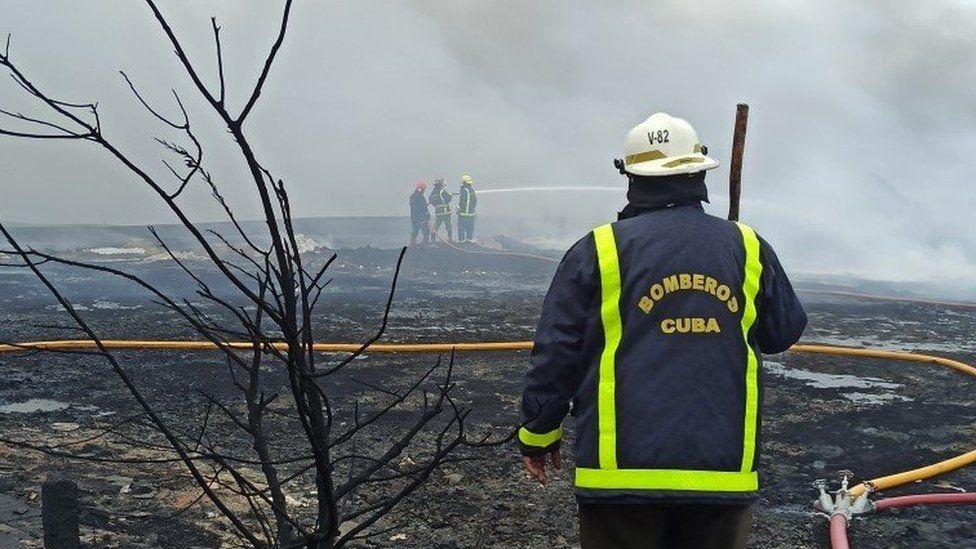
point(421, 186)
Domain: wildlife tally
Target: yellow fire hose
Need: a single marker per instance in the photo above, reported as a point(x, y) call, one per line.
point(128, 344)
point(905, 477)
point(881, 483)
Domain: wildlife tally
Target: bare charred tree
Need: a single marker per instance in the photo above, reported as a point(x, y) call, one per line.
point(273, 311)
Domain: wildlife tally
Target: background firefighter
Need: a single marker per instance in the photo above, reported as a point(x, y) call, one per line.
point(419, 215)
point(654, 327)
point(467, 203)
point(440, 199)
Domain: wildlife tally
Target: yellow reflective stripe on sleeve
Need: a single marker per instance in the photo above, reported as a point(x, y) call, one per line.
point(750, 287)
point(667, 479)
point(542, 440)
point(606, 251)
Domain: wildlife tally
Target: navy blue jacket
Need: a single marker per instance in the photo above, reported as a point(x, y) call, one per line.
point(418, 208)
point(440, 199)
point(677, 387)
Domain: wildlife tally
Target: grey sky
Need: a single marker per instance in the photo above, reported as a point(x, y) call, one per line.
point(859, 158)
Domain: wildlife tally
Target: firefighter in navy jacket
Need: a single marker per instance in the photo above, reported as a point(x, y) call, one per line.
point(440, 199)
point(654, 328)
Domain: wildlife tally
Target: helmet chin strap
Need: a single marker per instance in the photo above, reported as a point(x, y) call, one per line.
point(619, 164)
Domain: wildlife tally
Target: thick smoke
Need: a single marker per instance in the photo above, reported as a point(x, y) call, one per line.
point(859, 153)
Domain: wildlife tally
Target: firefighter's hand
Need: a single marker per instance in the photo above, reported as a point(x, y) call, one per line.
point(536, 465)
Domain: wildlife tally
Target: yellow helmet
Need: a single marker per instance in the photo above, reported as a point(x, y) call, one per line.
point(467, 179)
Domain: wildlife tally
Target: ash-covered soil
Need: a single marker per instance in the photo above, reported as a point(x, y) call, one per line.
point(822, 414)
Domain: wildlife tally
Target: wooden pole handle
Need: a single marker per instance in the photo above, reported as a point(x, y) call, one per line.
point(735, 168)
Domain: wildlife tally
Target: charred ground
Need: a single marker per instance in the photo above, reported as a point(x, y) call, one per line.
point(822, 414)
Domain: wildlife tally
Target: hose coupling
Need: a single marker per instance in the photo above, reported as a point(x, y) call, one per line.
point(840, 503)
point(824, 503)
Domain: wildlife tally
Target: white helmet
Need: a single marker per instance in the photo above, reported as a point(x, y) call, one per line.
point(664, 145)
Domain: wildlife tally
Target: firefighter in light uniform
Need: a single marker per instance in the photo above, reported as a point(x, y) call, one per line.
point(654, 327)
point(467, 203)
point(440, 199)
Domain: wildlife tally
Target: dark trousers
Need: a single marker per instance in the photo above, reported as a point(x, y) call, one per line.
point(664, 526)
point(465, 227)
point(421, 228)
point(446, 221)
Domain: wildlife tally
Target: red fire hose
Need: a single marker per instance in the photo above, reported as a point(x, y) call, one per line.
point(838, 522)
point(838, 532)
point(926, 499)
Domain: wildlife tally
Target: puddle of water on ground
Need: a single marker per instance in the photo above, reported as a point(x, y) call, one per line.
point(820, 380)
point(106, 305)
point(33, 405)
point(875, 398)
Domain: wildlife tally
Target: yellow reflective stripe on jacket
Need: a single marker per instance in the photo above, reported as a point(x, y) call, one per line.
point(607, 476)
point(750, 287)
point(542, 440)
point(667, 479)
point(465, 207)
point(443, 206)
point(606, 251)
